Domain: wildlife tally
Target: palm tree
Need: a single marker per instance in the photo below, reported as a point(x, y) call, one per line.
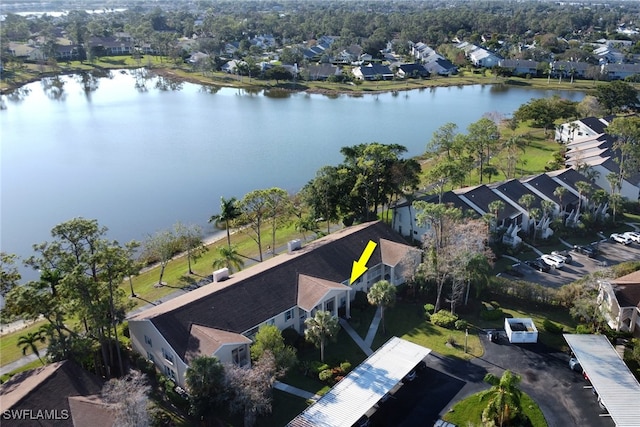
point(382, 294)
point(229, 258)
point(495, 207)
point(527, 200)
point(30, 341)
point(536, 215)
point(584, 188)
point(229, 211)
point(321, 327)
point(547, 208)
point(504, 399)
point(560, 192)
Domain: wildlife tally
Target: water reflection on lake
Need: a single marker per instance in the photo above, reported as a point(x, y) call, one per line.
point(140, 152)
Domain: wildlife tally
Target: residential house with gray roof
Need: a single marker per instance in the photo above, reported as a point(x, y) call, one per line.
point(221, 318)
point(519, 67)
point(411, 71)
point(513, 216)
point(58, 394)
point(404, 221)
point(373, 71)
point(545, 187)
point(620, 302)
point(619, 71)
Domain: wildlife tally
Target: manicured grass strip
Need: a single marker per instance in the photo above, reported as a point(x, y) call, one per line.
point(469, 412)
point(9, 350)
point(176, 274)
point(406, 320)
point(32, 365)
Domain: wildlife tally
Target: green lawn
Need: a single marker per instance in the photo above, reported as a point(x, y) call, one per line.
point(9, 350)
point(406, 320)
point(342, 350)
point(538, 313)
point(361, 319)
point(176, 274)
point(32, 365)
point(468, 412)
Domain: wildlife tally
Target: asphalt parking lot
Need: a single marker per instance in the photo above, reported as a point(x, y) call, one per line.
point(610, 253)
point(562, 394)
point(546, 377)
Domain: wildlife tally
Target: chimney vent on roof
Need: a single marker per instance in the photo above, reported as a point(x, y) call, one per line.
point(293, 245)
point(220, 275)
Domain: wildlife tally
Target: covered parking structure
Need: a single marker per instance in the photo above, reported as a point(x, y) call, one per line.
point(617, 388)
point(357, 393)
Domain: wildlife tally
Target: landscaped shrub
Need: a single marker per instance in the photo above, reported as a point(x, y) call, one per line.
point(551, 327)
point(461, 324)
point(444, 319)
point(318, 367)
point(428, 311)
point(345, 367)
point(291, 337)
point(496, 314)
point(326, 375)
point(584, 329)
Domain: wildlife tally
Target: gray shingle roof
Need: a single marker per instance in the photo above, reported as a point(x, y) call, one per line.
point(545, 185)
point(265, 290)
point(514, 190)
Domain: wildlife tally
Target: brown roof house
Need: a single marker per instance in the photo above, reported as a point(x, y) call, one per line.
point(59, 394)
point(620, 302)
point(221, 318)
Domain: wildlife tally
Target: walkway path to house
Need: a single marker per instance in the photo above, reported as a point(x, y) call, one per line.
point(564, 242)
point(364, 344)
point(296, 391)
point(355, 337)
point(373, 328)
point(536, 250)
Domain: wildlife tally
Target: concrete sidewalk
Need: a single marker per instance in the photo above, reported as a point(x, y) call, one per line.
point(10, 367)
point(355, 337)
point(373, 328)
point(295, 391)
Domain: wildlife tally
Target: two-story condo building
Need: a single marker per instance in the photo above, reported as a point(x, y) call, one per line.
point(221, 318)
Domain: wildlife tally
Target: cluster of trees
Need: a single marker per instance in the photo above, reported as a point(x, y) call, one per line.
point(245, 391)
point(626, 131)
point(371, 176)
point(77, 294)
point(456, 253)
point(162, 24)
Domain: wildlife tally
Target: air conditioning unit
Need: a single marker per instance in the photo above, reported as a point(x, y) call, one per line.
point(293, 245)
point(220, 275)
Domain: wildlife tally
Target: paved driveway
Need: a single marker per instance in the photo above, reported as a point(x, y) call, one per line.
point(546, 377)
point(610, 253)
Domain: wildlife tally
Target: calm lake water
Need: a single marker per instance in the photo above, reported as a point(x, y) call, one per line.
point(141, 153)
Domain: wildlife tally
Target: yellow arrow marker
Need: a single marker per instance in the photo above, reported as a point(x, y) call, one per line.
point(360, 266)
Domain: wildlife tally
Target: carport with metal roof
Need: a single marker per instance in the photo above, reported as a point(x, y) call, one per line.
point(358, 392)
point(610, 377)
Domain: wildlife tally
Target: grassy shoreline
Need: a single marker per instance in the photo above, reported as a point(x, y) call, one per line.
point(28, 73)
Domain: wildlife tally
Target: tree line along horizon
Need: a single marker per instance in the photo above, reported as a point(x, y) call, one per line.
point(79, 291)
point(551, 31)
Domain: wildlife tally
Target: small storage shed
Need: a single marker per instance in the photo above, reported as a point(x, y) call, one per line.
point(521, 330)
